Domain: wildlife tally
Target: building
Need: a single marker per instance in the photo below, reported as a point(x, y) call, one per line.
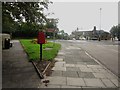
point(90, 34)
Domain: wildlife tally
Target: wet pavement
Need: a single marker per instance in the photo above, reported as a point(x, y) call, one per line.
point(17, 71)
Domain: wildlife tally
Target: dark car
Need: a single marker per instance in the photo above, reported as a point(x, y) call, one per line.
point(6, 41)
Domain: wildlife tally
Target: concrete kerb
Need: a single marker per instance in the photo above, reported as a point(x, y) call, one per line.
point(38, 72)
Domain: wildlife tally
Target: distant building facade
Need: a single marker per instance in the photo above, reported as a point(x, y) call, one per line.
point(90, 35)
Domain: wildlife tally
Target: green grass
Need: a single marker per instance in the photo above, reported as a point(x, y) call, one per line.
point(33, 50)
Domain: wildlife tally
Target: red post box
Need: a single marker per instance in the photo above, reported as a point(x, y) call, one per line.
point(41, 38)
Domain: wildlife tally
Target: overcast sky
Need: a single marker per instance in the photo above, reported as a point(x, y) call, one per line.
point(84, 15)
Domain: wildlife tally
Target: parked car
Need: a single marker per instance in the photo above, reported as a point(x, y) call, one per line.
point(6, 44)
point(94, 38)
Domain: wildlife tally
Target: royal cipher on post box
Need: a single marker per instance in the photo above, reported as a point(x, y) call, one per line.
point(41, 38)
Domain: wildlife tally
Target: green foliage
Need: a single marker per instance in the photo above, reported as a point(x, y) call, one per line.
point(115, 31)
point(51, 23)
point(62, 35)
point(33, 50)
point(27, 29)
point(118, 32)
point(14, 13)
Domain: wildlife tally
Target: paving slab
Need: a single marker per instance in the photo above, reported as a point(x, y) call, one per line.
point(94, 66)
point(70, 65)
point(81, 66)
point(86, 59)
point(99, 70)
point(99, 75)
point(72, 69)
point(94, 82)
point(75, 81)
point(108, 83)
point(81, 63)
point(86, 75)
point(95, 70)
point(59, 68)
point(57, 80)
point(59, 64)
point(86, 69)
point(92, 63)
point(70, 62)
point(56, 73)
point(109, 75)
point(70, 74)
point(58, 59)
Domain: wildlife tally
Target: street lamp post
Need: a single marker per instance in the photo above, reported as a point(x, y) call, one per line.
point(100, 25)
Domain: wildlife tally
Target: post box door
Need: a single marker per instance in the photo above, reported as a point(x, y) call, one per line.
point(41, 38)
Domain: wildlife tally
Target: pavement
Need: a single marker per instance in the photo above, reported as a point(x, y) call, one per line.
point(17, 71)
point(76, 68)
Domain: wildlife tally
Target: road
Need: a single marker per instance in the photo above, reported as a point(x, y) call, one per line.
point(106, 52)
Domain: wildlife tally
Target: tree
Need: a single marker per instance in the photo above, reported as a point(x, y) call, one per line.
point(51, 24)
point(14, 13)
point(62, 35)
point(118, 32)
point(26, 29)
point(115, 31)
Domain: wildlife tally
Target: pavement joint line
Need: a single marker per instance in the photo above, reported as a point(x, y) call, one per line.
point(114, 83)
point(102, 82)
point(78, 74)
point(84, 82)
point(101, 64)
point(66, 79)
point(105, 84)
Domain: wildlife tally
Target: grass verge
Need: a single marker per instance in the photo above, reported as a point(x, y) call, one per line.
point(33, 50)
